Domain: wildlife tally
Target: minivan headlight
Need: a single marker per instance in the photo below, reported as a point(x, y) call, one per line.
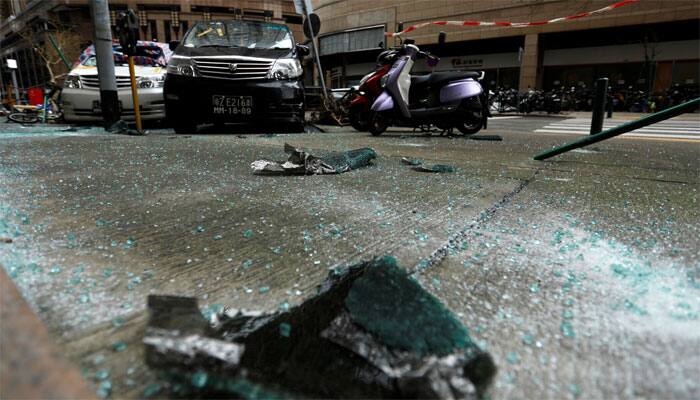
point(149, 82)
point(72, 82)
point(286, 69)
point(179, 65)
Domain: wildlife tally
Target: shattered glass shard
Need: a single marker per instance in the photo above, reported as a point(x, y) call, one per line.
point(438, 168)
point(400, 339)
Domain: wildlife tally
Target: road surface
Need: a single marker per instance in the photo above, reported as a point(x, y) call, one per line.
point(581, 275)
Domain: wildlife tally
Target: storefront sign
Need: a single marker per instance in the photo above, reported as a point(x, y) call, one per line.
point(467, 62)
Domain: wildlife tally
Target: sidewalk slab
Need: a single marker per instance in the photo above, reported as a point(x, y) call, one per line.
point(98, 222)
point(31, 365)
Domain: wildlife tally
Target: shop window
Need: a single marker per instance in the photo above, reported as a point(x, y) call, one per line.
point(293, 19)
point(686, 73)
point(167, 26)
point(355, 40)
point(153, 31)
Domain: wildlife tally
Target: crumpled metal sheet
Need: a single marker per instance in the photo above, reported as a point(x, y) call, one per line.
point(303, 163)
point(329, 346)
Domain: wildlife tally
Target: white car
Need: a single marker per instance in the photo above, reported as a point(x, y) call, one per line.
point(81, 90)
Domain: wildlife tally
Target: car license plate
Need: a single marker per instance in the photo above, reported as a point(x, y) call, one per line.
point(232, 105)
point(97, 107)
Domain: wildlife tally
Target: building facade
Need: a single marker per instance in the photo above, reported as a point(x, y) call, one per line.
point(23, 26)
point(650, 45)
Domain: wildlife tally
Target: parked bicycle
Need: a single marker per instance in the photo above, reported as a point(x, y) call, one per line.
point(31, 114)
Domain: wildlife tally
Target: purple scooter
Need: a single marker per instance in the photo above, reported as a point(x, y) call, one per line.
point(445, 99)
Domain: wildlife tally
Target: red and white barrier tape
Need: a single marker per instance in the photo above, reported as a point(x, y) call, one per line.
point(514, 24)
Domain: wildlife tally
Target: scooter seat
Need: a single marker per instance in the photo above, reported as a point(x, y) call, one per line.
point(420, 80)
point(439, 78)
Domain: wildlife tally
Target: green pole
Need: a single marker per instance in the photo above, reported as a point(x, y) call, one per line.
point(44, 116)
point(624, 128)
point(58, 50)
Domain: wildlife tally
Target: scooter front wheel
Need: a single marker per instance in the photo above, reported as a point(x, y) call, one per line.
point(378, 124)
point(359, 118)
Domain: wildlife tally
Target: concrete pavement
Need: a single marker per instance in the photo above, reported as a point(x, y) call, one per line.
point(579, 274)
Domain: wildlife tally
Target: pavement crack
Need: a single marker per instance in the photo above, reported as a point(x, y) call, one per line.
point(455, 241)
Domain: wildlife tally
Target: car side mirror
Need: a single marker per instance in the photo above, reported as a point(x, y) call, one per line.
point(173, 45)
point(302, 50)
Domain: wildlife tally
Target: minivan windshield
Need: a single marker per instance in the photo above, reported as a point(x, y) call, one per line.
point(152, 54)
point(246, 34)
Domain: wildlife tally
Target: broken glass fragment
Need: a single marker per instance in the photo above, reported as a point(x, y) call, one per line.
point(369, 331)
point(567, 329)
point(285, 329)
point(438, 168)
point(104, 389)
point(119, 346)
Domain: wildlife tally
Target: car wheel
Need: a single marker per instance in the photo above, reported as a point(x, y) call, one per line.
point(183, 128)
point(174, 119)
point(296, 127)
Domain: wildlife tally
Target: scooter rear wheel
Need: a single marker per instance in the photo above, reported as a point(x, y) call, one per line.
point(377, 124)
point(468, 128)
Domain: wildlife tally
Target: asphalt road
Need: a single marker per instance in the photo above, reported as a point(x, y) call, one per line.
point(581, 275)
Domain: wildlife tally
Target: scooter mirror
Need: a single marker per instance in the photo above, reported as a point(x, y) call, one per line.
point(432, 61)
point(442, 36)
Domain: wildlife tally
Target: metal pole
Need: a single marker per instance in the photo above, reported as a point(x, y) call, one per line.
point(135, 95)
point(314, 48)
point(14, 86)
point(619, 130)
point(109, 100)
point(318, 62)
point(2, 81)
point(58, 50)
point(44, 114)
point(601, 88)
